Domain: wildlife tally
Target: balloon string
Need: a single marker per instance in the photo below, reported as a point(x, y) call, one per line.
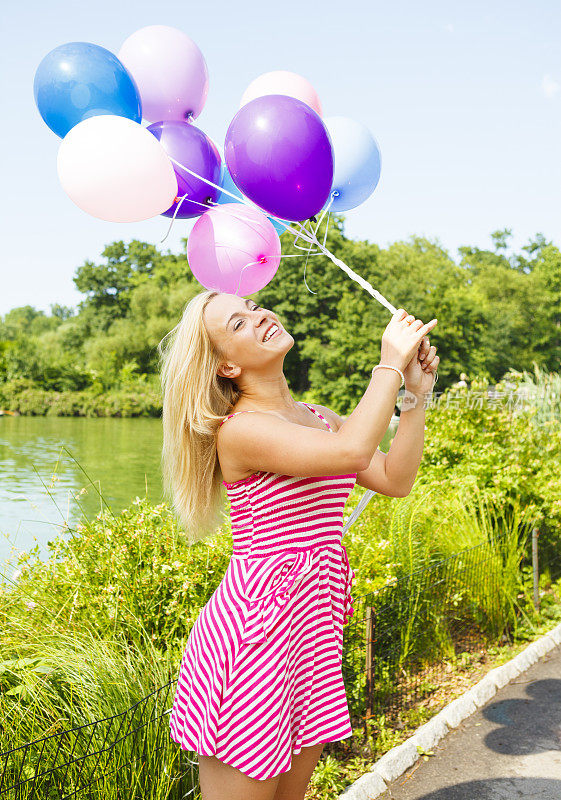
point(306, 266)
point(274, 255)
point(179, 204)
point(255, 263)
point(251, 264)
point(326, 211)
point(299, 247)
point(311, 291)
point(309, 250)
point(173, 219)
point(356, 277)
point(297, 255)
point(230, 194)
point(302, 233)
point(326, 229)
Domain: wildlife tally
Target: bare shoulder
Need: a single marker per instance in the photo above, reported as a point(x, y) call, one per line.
point(241, 421)
point(334, 419)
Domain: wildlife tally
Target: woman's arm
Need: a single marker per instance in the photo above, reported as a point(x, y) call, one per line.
point(394, 474)
point(375, 476)
point(267, 442)
point(406, 450)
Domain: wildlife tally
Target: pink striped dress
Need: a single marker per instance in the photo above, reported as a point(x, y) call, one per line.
point(261, 674)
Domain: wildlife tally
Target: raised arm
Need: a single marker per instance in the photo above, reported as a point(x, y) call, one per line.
point(262, 441)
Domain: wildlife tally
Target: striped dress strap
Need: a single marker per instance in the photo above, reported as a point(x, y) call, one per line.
point(327, 423)
point(319, 415)
point(234, 414)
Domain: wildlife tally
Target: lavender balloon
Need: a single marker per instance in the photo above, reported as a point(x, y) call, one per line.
point(188, 145)
point(279, 154)
point(170, 72)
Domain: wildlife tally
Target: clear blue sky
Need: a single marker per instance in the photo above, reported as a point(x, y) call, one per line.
point(463, 98)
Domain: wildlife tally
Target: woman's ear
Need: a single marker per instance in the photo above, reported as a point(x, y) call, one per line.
point(228, 371)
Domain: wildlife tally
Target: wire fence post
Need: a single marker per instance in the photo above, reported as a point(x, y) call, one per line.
point(370, 656)
point(535, 568)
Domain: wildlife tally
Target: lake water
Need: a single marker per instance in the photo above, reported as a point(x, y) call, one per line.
point(52, 470)
point(48, 466)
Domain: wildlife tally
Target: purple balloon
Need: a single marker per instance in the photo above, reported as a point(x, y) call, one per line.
point(189, 146)
point(279, 154)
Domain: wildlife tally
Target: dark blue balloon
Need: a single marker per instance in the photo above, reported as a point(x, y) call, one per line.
point(79, 80)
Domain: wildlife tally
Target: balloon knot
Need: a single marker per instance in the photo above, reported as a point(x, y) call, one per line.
point(262, 259)
point(176, 200)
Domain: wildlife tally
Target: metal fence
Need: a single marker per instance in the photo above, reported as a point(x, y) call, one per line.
point(399, 645)
point(83, 761)
point(394, 653)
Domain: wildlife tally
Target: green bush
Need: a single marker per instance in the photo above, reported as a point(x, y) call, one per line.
point(134, 572)
point(23, 397)
point(494, 447)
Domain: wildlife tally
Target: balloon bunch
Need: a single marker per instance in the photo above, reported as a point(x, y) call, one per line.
point(282, 163)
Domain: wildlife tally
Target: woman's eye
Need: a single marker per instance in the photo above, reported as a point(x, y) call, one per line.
point(238, 324)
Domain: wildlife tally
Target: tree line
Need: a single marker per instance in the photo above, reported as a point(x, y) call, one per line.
point(496, 309)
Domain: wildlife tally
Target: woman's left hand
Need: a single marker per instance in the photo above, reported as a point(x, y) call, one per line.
point(419, 373)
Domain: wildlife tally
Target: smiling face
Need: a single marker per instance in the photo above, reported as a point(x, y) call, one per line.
point(252, 338)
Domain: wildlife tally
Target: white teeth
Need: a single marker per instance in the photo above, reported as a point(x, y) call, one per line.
point(269, 333)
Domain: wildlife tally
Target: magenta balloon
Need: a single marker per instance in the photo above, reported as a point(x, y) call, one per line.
point(233, 248)
point(279, 154)
point(188, 145)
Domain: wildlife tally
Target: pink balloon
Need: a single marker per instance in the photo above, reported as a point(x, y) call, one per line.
point(283, 82)
point(170, 72)
point(233, 248)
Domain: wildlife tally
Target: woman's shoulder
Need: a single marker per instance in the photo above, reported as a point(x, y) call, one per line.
point(334, 419)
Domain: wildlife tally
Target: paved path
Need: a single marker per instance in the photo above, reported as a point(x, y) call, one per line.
point(510, 748)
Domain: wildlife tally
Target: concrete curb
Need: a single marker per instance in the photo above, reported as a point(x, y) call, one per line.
point(399, 759)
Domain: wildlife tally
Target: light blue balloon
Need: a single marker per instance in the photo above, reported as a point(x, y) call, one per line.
point(227, 183)
point(79, 80)
point(280, 229)
point(358, 163)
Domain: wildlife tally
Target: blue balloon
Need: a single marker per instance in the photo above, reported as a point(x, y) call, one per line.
point(277, 226)
point(79, 80)
point(227, 183)
point(358, 163)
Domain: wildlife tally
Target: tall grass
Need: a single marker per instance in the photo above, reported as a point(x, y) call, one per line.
point(95, 706)
point(540, 393)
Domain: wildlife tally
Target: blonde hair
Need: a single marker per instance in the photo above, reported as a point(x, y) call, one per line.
point(195, 400)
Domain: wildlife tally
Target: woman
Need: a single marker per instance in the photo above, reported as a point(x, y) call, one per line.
point(260, 687)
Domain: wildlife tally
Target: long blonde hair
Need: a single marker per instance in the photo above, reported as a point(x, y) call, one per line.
point(195, 400)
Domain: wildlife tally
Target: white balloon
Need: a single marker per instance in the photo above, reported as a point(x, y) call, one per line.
point(116, 170)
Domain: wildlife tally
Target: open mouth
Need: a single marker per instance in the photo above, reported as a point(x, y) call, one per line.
point(271, 331)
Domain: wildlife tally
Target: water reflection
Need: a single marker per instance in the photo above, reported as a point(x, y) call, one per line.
point(48, 466)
